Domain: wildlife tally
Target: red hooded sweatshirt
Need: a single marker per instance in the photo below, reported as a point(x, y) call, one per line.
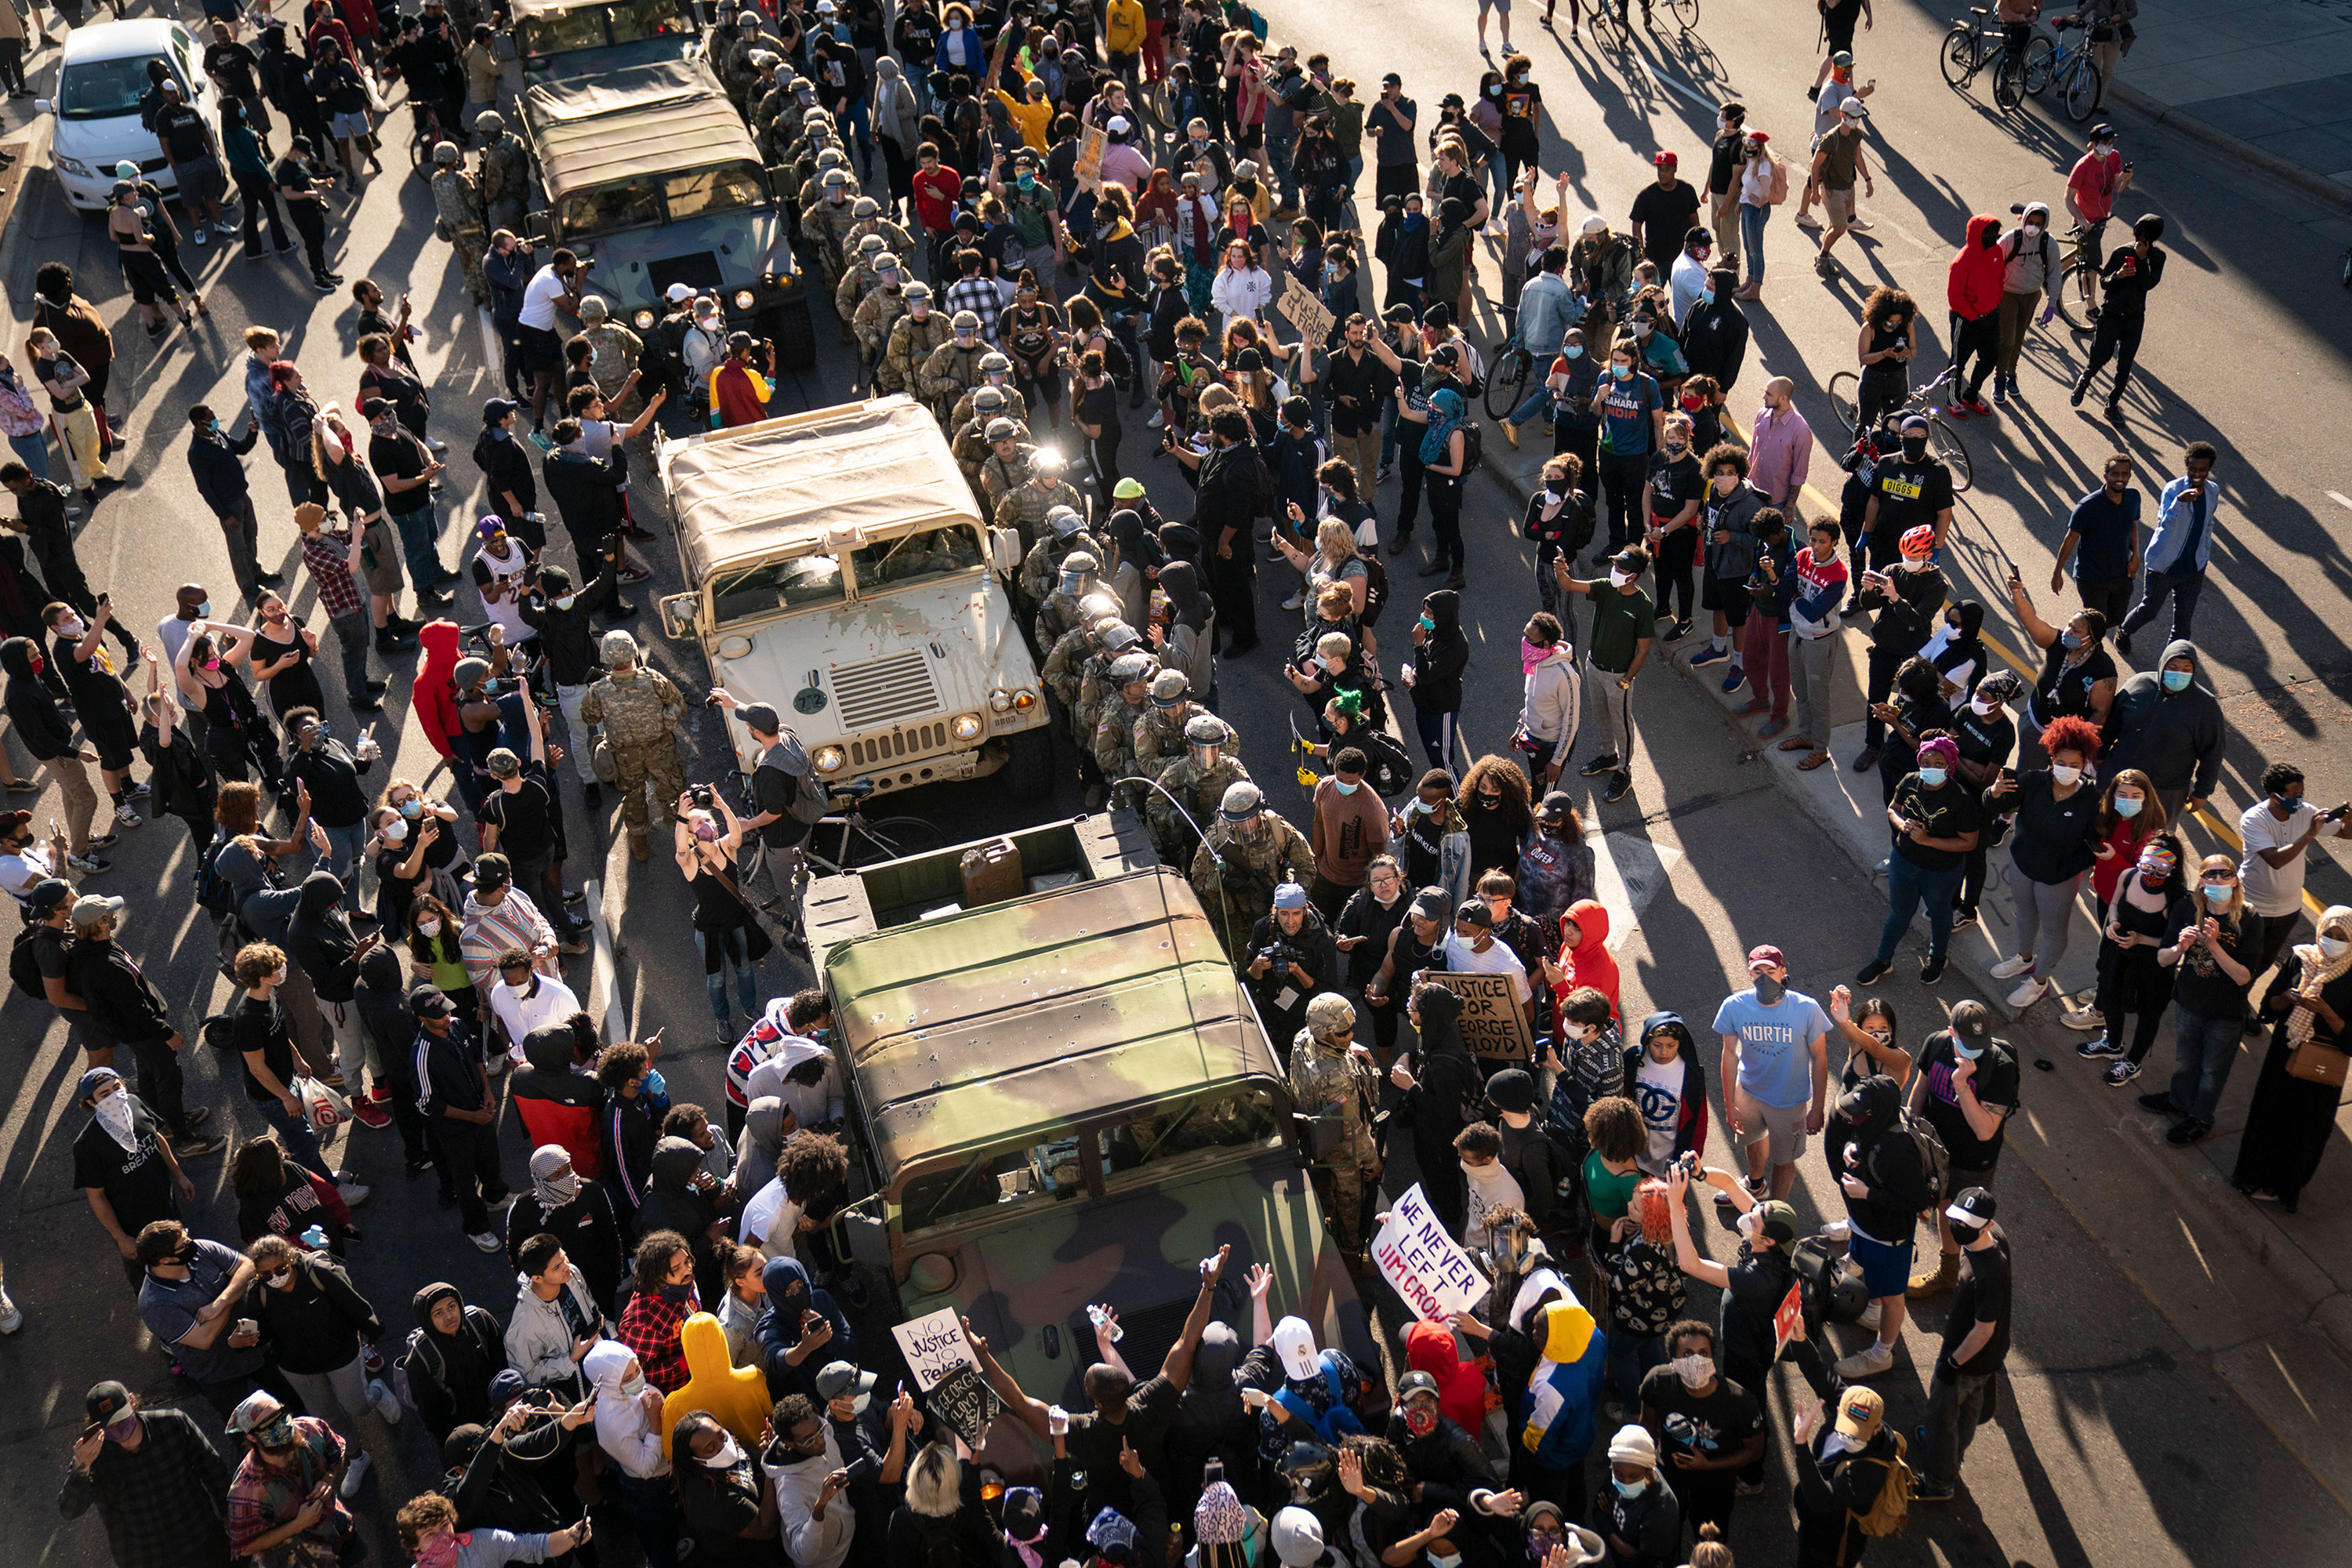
point(1974, 282)
point(436, 704)
point(1589, 963)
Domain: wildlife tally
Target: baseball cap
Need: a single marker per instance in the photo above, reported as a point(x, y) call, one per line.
point(254, 1412)
point(502, 762)
point(93, 908)
point(2103, 131)
point(1765, 956)
point(507, 1384)
point(1667, 159)
point(1973, 1206)
point(1860, 1412)
point(1429, 904)
point(497, 408)
point(1853, 109)
point(1776, 1220)
point(761, 717)
point(426, 1000)
point(105, 1400)
point(492, 870)
point(1391, 80)
point(840, 1377)
point(1471, 912)
point(1556, 806)
point(1971, 1026)
point(48, 894)
point(678, 293)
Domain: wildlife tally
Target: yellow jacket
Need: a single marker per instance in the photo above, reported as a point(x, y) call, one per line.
point(1032, 120)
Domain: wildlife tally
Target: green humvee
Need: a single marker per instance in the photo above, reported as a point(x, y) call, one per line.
point(580, 37)
point(1064, 1098)
point(651, 174)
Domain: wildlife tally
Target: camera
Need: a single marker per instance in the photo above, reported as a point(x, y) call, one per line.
point(1280, 955)
point(701, 795)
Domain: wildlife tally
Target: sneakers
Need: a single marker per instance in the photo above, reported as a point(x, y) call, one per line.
point(1933, 1491)
point(353, 1194)
point(1963, 917)
point(200, 236)
point(2080, 390)
point(1511, 434)
point(368, 1114)
point(1295, 602)
point(1681, 630)
point(355, 1475)
point(12, 1317)
point(432, 446)
point(323, 283)
point(1714, 653)
point(1867, 1363)
point(722, 1032)
point(540, 439)
point(126, 817)
point(1750, 1488)
point(1620, 785)
point(2001, 389)
point(1605, 763)
point(2029, 990)
point(196, 1145)
point(1933, 970)
point(487, 1241)
point(2188, 1131)
point(1735, 680)
point(1807, 220)
point(2120, 1073)
point(383, 1401)
point(88, 864)
point(2011, 968)
point(1866, 759)
point(1823, 266)
point(2083, 1018)
point(1871, 973)
point(2099, 1049)
point(2161, 1104)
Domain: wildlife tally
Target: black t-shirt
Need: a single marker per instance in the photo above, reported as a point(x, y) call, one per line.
point(136, 1181)
point(1909, 494)
point(401, 456)
point(2105, 529)
point(521, 819)
point(181, 127)
point(1722, 1421)
point(1989, 743)
point(1665, 216)
point(1996, 1084)
point(1759, 1282)
point(1094, 1442)
point(1674, 483)
point(1946, 813)
point(1982, 1296)
point(773, 789)
point(1723, 165)
point(2060, 690)
point(234, 64)
point(1462, 188)
point(2198, 982)
point(261, 1026)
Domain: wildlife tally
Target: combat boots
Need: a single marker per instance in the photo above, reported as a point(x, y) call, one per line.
point(637, 850)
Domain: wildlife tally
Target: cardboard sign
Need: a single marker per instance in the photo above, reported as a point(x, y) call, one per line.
point(1426, 1266)
point(965, 1402)
point(1494, 1026)
point(934, 1347)
point(1301, 308)
point(1088, 168)
point(1785, 1319)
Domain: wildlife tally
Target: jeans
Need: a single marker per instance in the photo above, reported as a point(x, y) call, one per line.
point(2042, 911)
point(338, 1397)
point(294, 1134)
point(2204, 1051)
point(1955, 1405)
point(242, 533)
point(732, 954)
point(352, 635)
point(1751, 238)
point(583, 747)
point(1908, 886)
point(1627, 478)
point(33, 451)
point(1437, 738)
point(1631, 1357)
point(342, 855)
point(417, 548)
point(1280, 147)
point(652, 1507)
point(2183, 588)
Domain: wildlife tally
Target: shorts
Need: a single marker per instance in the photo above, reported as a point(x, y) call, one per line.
point(351, 125)
point(1840, 31)
point(379, 559)
point(1784, 1125)
point(1728, 595)
point(201, 180)
point(1837, 206)
point(542, 350)
point(1502, 6)
point(1886, 1265)
point(1958, 1179)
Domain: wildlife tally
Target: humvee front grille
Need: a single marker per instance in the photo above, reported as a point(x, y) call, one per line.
point(910, 741)
point(698, 270)
point(885, 691)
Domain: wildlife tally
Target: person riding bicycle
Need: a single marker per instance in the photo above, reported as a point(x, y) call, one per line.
point(2110, 34)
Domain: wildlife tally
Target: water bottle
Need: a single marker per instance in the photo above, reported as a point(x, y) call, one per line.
point(315, 1238)
point(1096, 1316)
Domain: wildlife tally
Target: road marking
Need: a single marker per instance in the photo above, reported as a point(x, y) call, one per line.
point(604, 974)
point(2340, 499)
point(490, 354)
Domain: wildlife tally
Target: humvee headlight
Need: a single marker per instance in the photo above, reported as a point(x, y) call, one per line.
point(745, 299)
point(643, 320)
point(829, 759)
point(1024, 701)
point(964, 726)
point(1000, 701)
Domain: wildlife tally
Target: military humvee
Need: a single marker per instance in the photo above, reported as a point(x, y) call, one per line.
point(841, 571)
point(1063, 1097)
point(650, 172)
point(583, 37)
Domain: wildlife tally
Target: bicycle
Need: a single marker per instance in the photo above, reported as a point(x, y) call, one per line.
point(1845, 399)
point(864, 841)
point(1971, 47)
point(1507, 379)
point(2070, 65)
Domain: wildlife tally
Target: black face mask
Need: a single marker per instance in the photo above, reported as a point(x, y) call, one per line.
point(1915, 447)
point(1966, 1234)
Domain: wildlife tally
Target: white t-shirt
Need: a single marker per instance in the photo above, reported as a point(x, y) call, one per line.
point(506, 613)
point(21, 872)
point(772, 1217)
point(551, 1003)
point(539, 297)
point(1488, 1188)
point(1658, 1095)
point(2273, 890)
point(1498, 959)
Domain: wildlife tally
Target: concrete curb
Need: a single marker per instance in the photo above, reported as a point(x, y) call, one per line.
point(2317, 187)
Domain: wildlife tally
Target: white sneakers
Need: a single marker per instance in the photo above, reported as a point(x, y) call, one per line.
point(353, 1194)
point(354, 1475)
point(385, 1403)
point(1866, 1363)
point(2027, 993)
point(2088, 1020)
point(12, 1317)
point(2011, 968)
point(486, 1242)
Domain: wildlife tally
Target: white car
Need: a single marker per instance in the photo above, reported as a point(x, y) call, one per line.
point(97, 107)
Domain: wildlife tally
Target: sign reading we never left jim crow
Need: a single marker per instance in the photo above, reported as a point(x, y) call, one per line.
point(949, 1373)
point(1427, 1265)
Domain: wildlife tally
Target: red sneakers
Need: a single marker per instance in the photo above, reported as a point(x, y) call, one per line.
point(371, 1113)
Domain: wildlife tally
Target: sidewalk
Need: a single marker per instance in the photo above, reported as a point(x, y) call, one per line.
point(2269, 81)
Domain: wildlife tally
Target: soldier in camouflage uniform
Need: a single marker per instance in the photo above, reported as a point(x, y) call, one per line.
point(953, 368)
point(639, 710)
point(1027, 507)
point(1006, 467)
point(1199, 779)
point(506, 171)
point(615, 348)
point(776, 116)
point(1333, 1079)
point(1096, 689)
point(1074, 578)
point(913, 339)
point(868, 215)
point(875, 315)
point(826, 223)
point(1114, 739)
point(1063, 666)
point(970, 443)
point(996, 375)
point(1250, 851)
point(736, 71)
point(830, 160)
point(858, 279)
point(458, 216)
point(1052, 558)
point(1159, 738)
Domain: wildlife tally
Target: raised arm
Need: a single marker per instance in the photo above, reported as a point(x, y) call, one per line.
point(1178, 1366)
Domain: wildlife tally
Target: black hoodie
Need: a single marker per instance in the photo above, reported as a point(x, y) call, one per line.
point(1441, 657)
point(671, 1202)
point(320, 938)
point(39, 725)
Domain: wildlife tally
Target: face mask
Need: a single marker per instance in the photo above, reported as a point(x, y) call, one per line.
point(1933, 777)
point(728, 1456)
point(395, 832)
point(2332, 946)
point(1915, 447)
point(1642, 329)
point(1770, 990)
point(2032, 231)
point(1622, 371)
point(1619, 578)
point(2065, 774)
point(1573, 351)
point(204, 610)
point(412, 809)
point(1695, 1370)
point(2219, 892)
point(282, 1280)
point(74, 628)
point(1966, 1234)
point(634, 1386)
point(2153, 884)
point(279, 978)
point(428, 928)
point(1427, 624)
point(114, 1113)
point(1420, 1423)
point(1982, 708)
point(1967, 1053)
point(1629, 1489)
point(2177, 679)
point(706, 832)
point(1345, 787)
point(1706, 296)
point(565, 602)
point(1726, 483)
point(1493, 90)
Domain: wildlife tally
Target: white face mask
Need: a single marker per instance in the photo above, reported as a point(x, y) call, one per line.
point(1620, 579)
point(283, 1280)
point(114, 1111)
point(1695, 1370)
point(725, 1459)
point(428, 928)
point(395, 831)
point(1747, 1224)
point(634, 1386)
point(2332, 946)
point(519, 987)
point(279, 978)
point(2064, 774)
point(565, 602)
point(1983, 709)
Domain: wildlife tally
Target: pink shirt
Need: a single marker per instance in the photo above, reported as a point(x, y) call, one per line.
point(1782, 453)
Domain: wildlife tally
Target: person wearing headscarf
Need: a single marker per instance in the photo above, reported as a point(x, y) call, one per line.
point(676, 1200)
point(1441, 1086)
point(1140, 559)
point(563, 1204)
point(452, 1357)
point(629, 1430)
point(790, 1355)
point(761, 1145)
point(1187, 640)
point(1443, 452)
point(2293, 1112)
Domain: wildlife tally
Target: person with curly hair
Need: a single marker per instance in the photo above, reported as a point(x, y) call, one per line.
point(1496, 812)
point(2056, 839)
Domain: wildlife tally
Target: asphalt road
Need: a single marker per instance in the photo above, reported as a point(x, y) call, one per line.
point(2114, 1443)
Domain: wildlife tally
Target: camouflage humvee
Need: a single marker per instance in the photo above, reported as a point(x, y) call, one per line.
point(1065, 1097)
point(586, 37)
point(650, 173)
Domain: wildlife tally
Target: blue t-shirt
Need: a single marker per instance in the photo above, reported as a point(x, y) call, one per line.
point(1625, 428)
point(2109, 529)
point(1776, 1043)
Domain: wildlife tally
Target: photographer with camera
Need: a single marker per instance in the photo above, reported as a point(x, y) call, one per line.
point(1288, 958)
point(1754, 1283)
point(790, 797)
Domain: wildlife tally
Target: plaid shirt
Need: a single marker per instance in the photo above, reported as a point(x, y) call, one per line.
point(649, 1326)
point(261, 1499)
point(979, 296)
point(326, 554)
point(513, 922)
point(161, 1506)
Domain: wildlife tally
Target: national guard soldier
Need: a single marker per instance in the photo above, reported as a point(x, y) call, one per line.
point(970, 443)
point(506, 172)
point(953, 368)
point(913, 340)
point(1006, 467)
point(1114, 737)
point(1332, 1081)
point(1051, 562)
point(1250, 851)
point(996, 376)
point(616, 351)
point(826, 223)
point(1197, 779)
point(1066, 662)
point(639, 712)
point(1097, 688)
point(876, 314)
point(866, 218)
point(858, 280)
point(1159, 737)
point(457, 216)
point(1027, 507)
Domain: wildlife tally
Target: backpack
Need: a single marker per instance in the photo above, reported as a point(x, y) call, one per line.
point(1474, 448)
point(25, 968)
point(424, 1356)
point(809, 802)
point(1777, 192)
point(1933, 1158)
point(1887, 1515)
point(215, 895)
point(1331, 1425)
point(1376, 589)
point(1561, 1212)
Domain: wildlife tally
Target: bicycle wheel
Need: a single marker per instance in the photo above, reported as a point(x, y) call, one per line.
point(1685, 12)
point(2041, 59)
point(880, 839)
point(1946, 443)
point(1958, 56)
point(1845, 397)
point(2075, 296)
point(1507, 383)
point(2007, 82)
point(2082, 88)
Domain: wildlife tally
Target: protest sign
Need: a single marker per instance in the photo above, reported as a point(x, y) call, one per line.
point(965, 1402)
point(949, 1373)
point(1785, 1318)
point(1494, 1026)
point(1424, 1264)
point(1302, 310)
point(1088, 168)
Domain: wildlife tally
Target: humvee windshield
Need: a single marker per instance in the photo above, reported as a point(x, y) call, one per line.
point(918, 557)
point(1037, 1174)
point(676, 198)
point(594, 27)
point(773, 585)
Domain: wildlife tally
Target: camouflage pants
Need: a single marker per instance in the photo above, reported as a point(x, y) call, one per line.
point(1348, 1203)
point(635, 767)
point(468, 244)
point(507, 212)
